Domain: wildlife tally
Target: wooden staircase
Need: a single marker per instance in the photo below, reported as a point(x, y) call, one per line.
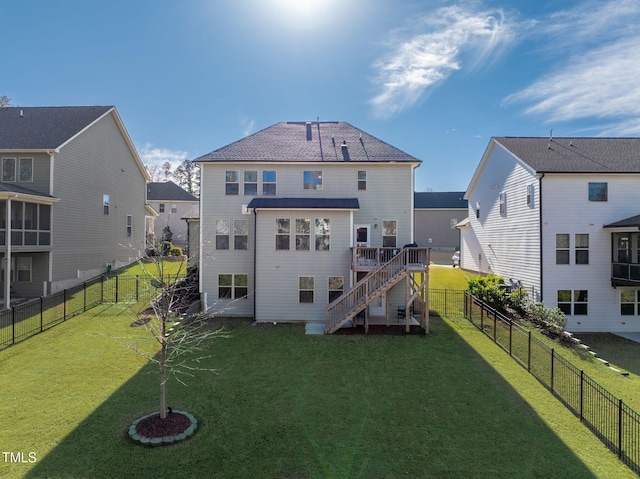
point(365, 291)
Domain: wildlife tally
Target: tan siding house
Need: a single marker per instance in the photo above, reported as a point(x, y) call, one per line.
point(295, 216)
point(72, 197)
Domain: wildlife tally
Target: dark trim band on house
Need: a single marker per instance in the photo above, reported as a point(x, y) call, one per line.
point(305, 203)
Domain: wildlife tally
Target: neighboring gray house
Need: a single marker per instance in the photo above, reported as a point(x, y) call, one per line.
point(436, 216)
point(293, 217)
point(72, 197)
point(172, 203)
point(561, 217)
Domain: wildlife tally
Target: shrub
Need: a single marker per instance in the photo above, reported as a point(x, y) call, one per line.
point(175, 251)
point(552, 319)
point(490, 289)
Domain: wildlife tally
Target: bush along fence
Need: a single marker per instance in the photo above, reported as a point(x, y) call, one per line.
point(612, 421)
point(37, 315)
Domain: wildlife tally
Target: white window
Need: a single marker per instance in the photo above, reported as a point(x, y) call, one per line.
point(323, 234)
point(312, 180)
point(389, 233)
point(303, 234)
point(362, 180)
point(336, 287)
point(161, 207)
point(174, 208)
point(8, 169)
point(529, 195)
point(562, 248)
point(629, 302)
point(269, 183)
point(283, 233)
point(105, 204)
point(26, 169)
point(582, 249)
point(129, 224)
point(233, 286)
point(251, 183)
point(23, 268)
point(598, 191)
point(305, 289)
point(232, 183)
point(222, 234)
point(240, 234)
point(573, 302)
point(502, 199)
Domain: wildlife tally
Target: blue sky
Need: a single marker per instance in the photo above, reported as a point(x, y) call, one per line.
point(434, 78)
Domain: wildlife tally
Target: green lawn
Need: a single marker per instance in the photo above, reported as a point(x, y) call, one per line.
point(286, 405)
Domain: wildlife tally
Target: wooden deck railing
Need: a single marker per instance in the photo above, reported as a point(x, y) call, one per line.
point(374, 284)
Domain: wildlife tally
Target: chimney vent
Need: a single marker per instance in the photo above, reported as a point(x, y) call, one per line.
point(345, 151)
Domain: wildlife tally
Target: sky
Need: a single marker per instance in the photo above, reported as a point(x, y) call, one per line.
point(434, 78)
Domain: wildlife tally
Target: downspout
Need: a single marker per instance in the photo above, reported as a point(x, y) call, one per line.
point(255, 249)
point(7, 256)
point(540, 176)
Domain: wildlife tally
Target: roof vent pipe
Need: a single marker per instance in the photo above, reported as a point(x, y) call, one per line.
point(345, 151)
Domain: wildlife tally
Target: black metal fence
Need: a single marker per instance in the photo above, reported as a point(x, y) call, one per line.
point(612, 421)
point(35, 316)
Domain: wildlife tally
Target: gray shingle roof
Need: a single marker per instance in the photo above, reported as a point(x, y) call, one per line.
point(446, 199)
point(300, 141)
point(631, 222)
point(576, 155)
point(41, 128)
point(168, 190)
point(13, 188)
point(305, 203)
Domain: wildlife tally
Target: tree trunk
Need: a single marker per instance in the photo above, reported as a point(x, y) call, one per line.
point(163, 372)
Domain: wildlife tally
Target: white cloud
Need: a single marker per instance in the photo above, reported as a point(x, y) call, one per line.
point(597, 68)
point(154, 158)
point(248, 125)
point(425, 56)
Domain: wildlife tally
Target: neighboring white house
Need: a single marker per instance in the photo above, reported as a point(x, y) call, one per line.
point(72, 197)
point(561, 217)
point(173, 204)
point(294, 215)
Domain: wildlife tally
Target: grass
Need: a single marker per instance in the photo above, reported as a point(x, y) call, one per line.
point(445, 277)
point(286, 405)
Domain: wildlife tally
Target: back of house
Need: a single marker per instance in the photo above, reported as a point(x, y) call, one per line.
point(282, 210)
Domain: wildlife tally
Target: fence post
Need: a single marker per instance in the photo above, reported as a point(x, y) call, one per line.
point(117, 289)
point(553, 354)
point(510, 338)
point(137, 289)
point(581, 395)
point(13, 325)
point(619, 428)
point(529, 353)
point(64, 304)
point(84, 293)
point(482, 318)
point(41, 313)
point(495, 326)
point(102, 288)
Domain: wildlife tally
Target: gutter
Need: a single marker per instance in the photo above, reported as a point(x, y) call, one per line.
point(540, 176)
point(255, 249)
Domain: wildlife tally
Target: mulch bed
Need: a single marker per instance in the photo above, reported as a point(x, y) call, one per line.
point(155, 426)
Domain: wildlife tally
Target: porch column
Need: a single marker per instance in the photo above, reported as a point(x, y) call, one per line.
point(7, 259)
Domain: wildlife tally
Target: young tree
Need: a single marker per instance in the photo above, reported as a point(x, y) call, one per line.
point(179, 334)
point(5, 101)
